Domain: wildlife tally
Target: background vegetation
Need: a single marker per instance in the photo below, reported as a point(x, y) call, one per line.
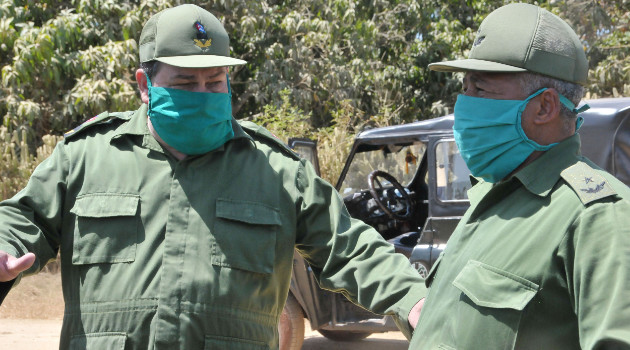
point(318, 68)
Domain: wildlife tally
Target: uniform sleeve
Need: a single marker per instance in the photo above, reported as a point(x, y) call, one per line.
point(30, 221)
point(597, 256)
point(351, 257)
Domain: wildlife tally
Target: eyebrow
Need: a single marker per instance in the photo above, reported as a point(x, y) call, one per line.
point(475, 78)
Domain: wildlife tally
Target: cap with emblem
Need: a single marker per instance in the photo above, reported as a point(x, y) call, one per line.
point(523, 37)
point(186, 36)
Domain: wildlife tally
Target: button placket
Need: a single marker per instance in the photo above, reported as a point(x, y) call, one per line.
point(170, 295)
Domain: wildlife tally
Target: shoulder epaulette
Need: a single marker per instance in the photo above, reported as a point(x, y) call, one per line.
point(99, 119)
point(255, 131)
point(587, 183)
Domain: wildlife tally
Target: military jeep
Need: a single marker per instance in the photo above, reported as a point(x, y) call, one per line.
point(410, 183)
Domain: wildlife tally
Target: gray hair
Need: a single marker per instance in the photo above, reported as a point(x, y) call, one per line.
point(532, 82)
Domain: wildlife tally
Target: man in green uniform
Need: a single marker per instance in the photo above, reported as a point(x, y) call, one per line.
point(541, 260)
point(177, 224)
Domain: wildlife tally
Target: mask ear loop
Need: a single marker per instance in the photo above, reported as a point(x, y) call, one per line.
point(227, 77)
point(149, 86)
point(534, 145)
point(567, 103)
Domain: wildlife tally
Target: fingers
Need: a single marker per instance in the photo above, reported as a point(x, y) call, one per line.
point(414, 315)
point(11, 267)
point(21, 264)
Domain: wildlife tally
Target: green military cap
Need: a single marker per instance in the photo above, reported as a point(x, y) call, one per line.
point(523, 37)
point(186, 36)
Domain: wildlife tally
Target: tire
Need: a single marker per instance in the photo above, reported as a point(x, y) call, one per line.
point(422, 268)
point(343, 335)
point(291, 325)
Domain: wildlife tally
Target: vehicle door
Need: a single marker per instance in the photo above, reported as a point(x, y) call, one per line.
point(303, 285)
point(448, 180)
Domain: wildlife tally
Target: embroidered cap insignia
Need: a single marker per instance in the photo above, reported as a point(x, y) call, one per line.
point(478, 41)
point(202, 40)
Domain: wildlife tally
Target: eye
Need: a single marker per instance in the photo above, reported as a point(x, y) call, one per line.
point(183, 84)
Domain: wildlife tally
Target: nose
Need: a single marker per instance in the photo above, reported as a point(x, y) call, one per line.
point(469, 92)
point(201, 87)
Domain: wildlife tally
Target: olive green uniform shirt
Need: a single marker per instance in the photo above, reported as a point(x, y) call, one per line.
point(539, 261)
point(158, 253)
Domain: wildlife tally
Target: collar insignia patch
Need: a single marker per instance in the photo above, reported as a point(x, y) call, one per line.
point(202, 40)
point(594, 189)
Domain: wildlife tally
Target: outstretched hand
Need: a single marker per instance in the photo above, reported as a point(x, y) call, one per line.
point(11, 267)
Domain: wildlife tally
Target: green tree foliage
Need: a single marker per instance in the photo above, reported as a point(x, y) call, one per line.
point(605, 30)
point(326, 52)
point(332, 64)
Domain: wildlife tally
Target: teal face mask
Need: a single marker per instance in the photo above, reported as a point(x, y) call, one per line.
point(490, 136)
point(191, 122)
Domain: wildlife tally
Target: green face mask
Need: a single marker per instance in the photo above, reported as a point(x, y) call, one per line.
point(490, 137)
point(191, 122)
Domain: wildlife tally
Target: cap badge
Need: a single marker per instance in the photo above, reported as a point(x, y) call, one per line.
point(202, 40)
point(479, 40)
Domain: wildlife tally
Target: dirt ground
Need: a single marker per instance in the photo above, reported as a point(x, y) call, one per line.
point(28, 334)
point(30, 318)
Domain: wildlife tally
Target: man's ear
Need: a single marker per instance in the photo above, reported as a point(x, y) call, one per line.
point(547, 107)
point(141, 79)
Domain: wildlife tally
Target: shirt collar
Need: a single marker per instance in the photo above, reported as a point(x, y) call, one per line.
point(239, 133)
point(137, 125)
point(541, 175)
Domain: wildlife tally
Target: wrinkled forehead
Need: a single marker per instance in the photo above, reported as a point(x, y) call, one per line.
point(170, 70)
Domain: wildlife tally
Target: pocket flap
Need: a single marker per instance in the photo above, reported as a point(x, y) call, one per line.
point(247, 212)
point(99, 205)
point(489, 286)
point(111, 340)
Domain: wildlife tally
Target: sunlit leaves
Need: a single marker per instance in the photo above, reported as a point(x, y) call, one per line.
point(65, 61)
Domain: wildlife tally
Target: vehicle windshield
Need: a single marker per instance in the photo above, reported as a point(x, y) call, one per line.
point(401, 161)
point(453, 177)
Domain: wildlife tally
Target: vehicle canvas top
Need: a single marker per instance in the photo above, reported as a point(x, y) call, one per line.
point(417, 131)
point(605, 135)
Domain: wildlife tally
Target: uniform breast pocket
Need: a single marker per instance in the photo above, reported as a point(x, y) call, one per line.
point(245, 235)
point(106, 228)
point(490, 307)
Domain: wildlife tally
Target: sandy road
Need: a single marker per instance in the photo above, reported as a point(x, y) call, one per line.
point(29, 334)
point(20, 334)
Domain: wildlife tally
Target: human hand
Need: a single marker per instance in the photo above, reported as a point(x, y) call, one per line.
point(414, 314)
point(11, 267)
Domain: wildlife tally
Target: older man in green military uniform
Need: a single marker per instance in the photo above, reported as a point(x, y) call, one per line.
point(177, 225)
point(541, 260)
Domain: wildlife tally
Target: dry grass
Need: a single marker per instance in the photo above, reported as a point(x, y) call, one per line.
point(36, 297)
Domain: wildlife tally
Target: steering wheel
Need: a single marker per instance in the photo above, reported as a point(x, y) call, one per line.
point(391, 199)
